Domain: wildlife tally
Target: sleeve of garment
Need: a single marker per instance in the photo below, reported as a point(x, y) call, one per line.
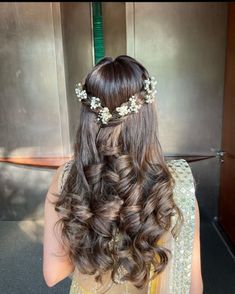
point(184, 196)
point(64, 174)
point(176, 278)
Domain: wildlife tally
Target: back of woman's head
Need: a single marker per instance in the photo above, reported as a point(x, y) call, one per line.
point(119, 184)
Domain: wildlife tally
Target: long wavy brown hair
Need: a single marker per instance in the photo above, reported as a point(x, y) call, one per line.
point(119, 182)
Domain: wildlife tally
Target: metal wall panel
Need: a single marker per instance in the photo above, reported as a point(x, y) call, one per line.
point(78, 51)
point(33, 107)
point(114, 25)
point(23, 190)
point(183, 46)
point(33, 123)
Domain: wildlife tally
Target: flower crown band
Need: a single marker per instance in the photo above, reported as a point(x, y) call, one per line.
point(104, 115)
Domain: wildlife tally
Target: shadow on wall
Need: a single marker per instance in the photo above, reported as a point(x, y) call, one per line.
point(23, 190)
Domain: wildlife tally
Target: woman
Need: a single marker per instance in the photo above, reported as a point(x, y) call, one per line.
point(118, 217)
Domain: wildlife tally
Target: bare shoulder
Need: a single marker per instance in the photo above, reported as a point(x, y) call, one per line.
point(56, 262)
point(55, 184)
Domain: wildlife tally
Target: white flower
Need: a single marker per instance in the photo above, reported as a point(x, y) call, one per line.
point(81, 94)
point(134, 107)
point(95, 102)
point(150, 82)
point(149, 98)
point(104, 115)
point(149, 86)
point(123, 110)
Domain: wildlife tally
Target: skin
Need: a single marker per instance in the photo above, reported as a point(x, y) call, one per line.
point(56, 269)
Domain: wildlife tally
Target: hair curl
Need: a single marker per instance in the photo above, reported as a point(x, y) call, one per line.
point(119, 181)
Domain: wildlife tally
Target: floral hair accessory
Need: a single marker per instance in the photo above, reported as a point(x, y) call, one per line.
point(104, 115)
point(149, 86)
point(81, 94)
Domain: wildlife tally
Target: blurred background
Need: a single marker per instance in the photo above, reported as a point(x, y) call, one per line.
point(46, 48)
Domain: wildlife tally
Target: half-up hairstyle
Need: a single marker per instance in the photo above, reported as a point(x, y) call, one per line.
point(119, 182)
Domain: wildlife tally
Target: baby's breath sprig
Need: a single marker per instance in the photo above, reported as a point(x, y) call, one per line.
point(123, 110)
point(149, 86)
point(95, 103)
point(81, 94)
point(104, 115)
point(134, 107)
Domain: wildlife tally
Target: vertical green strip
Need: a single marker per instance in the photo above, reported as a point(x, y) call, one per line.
point(98, 33)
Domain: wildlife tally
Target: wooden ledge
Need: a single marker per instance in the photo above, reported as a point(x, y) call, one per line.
point(49, 162)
